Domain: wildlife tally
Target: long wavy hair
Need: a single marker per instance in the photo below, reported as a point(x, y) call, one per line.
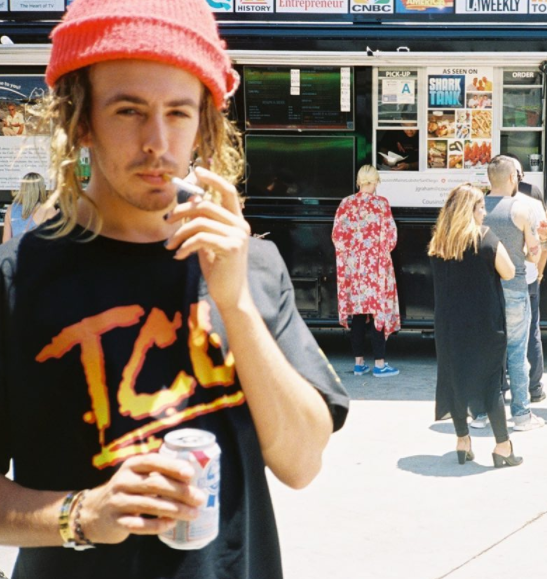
point(67, 110)
point(456, 229)
point(32, 193)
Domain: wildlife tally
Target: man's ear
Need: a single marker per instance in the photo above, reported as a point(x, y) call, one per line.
point(84, 135)
point(195, 148)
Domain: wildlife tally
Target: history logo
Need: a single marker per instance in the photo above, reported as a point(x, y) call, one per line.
point(254, 6)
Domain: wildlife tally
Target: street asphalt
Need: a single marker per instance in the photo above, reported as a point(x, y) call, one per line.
point(391, 501)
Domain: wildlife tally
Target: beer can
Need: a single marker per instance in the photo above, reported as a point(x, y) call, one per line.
point(200, 449)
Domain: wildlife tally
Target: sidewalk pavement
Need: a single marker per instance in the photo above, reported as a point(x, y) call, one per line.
point(392, 502)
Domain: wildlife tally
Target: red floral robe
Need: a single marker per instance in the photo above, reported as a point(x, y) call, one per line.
point(364, 235)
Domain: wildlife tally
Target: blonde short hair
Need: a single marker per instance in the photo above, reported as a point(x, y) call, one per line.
point(367, 174)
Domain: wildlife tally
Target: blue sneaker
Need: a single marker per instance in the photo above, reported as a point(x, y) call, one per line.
point(359, 370)
point(385, 371)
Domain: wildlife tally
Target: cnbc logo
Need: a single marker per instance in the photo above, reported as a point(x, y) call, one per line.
point(371, 6)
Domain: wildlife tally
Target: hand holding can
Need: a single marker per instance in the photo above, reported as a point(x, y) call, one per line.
point(199, 448)
point(146, 496)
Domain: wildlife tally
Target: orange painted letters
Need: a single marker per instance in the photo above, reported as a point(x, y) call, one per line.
point(164, 404)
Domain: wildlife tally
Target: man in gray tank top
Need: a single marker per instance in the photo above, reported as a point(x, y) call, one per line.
point(515, 225)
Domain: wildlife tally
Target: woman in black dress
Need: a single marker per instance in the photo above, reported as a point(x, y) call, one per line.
point(467, 260)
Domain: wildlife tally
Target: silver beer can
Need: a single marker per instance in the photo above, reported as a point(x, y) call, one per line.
point(200, 449)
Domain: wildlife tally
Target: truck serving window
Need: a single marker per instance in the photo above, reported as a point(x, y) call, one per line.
point(522, 120)
point(397, 134)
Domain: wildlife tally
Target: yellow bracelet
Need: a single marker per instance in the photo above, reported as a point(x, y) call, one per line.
point(64, 519)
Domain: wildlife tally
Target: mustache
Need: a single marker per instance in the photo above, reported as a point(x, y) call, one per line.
point(161, 165)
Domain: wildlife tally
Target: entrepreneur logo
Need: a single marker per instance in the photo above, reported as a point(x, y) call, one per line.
point(368, 6)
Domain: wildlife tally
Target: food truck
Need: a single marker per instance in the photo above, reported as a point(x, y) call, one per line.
point(426, 90)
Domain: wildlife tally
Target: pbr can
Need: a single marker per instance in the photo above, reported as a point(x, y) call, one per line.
point(200, 449)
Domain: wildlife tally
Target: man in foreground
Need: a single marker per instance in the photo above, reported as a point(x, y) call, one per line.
point(131, 316)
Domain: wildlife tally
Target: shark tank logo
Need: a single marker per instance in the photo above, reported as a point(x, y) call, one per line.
point(221, 5)
point(368, 6)
point(254, 6)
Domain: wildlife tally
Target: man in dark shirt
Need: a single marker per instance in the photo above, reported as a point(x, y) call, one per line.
point(404, 142)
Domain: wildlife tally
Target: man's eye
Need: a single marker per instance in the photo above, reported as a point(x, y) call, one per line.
point(180, 114)
point(127, 112)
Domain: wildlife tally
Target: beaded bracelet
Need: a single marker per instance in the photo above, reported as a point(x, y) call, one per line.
point(73, 502)
point(84, 542)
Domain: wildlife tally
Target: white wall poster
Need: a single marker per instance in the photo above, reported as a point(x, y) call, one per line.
point(19, 156)
point(20, 151)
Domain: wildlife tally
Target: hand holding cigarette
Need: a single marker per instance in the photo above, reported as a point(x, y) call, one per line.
point(185, 189)
point(218, 233)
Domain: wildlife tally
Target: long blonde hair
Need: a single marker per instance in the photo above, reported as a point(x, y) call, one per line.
point(68, 110)
point(32, 193)
point(456, 229)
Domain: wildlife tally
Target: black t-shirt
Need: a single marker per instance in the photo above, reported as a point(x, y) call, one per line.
point(108, 345)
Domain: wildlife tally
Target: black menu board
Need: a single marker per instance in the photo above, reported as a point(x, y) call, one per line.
point(314, 97)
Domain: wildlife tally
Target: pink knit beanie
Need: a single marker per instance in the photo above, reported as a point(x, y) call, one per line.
point(182, 33)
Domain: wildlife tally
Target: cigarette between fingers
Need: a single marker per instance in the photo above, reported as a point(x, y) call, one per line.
point(185, 190)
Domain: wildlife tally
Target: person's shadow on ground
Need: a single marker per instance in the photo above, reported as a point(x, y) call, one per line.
point(445, 466)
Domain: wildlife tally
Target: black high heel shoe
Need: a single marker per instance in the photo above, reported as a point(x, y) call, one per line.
point(510, 460)
point(465, 455)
